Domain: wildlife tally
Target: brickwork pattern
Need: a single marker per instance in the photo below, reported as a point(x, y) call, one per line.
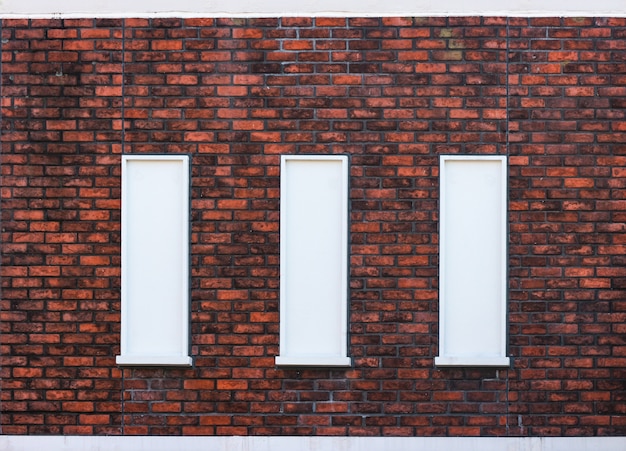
point(235, 94)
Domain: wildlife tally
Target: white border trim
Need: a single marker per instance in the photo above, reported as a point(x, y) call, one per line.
point(307, 8)
point(445, 359)
point(156, 443)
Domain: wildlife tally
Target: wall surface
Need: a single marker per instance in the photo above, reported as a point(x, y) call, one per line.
point(235, 94)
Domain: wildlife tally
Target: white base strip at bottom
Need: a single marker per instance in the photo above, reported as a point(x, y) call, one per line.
point(154, 443)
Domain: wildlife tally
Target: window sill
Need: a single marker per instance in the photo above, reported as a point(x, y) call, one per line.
point(153, 360)
point(314, 361)
point(472, 361)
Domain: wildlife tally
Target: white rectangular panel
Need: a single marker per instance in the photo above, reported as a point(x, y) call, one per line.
point(313, 260)
point(473, 261)
point(155, 260)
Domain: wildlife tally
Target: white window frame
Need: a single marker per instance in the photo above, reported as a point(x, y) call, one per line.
point(155, 261)
point(464, 289)
point(304, 237)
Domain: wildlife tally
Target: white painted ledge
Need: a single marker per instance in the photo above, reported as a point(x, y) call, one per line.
point(472, 361)
point(153, 360)
point(313, 361)
point(155, 443)
point(318, 8)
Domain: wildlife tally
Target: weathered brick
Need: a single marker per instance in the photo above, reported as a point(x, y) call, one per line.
point(394, 93)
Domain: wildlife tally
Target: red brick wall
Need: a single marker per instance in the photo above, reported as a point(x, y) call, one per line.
point(393, 93)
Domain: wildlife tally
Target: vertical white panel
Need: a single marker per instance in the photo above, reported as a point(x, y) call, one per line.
point(473, 261)
point(313, 261)
point(155, 260)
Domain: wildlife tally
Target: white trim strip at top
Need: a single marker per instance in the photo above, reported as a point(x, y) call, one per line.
point(308, 8)
point(160, 443)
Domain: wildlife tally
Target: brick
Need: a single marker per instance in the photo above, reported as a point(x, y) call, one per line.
point(394, 94)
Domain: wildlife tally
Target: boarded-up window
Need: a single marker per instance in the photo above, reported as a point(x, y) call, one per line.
point(313, 261)
point(155, 260)
point(473, 261)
